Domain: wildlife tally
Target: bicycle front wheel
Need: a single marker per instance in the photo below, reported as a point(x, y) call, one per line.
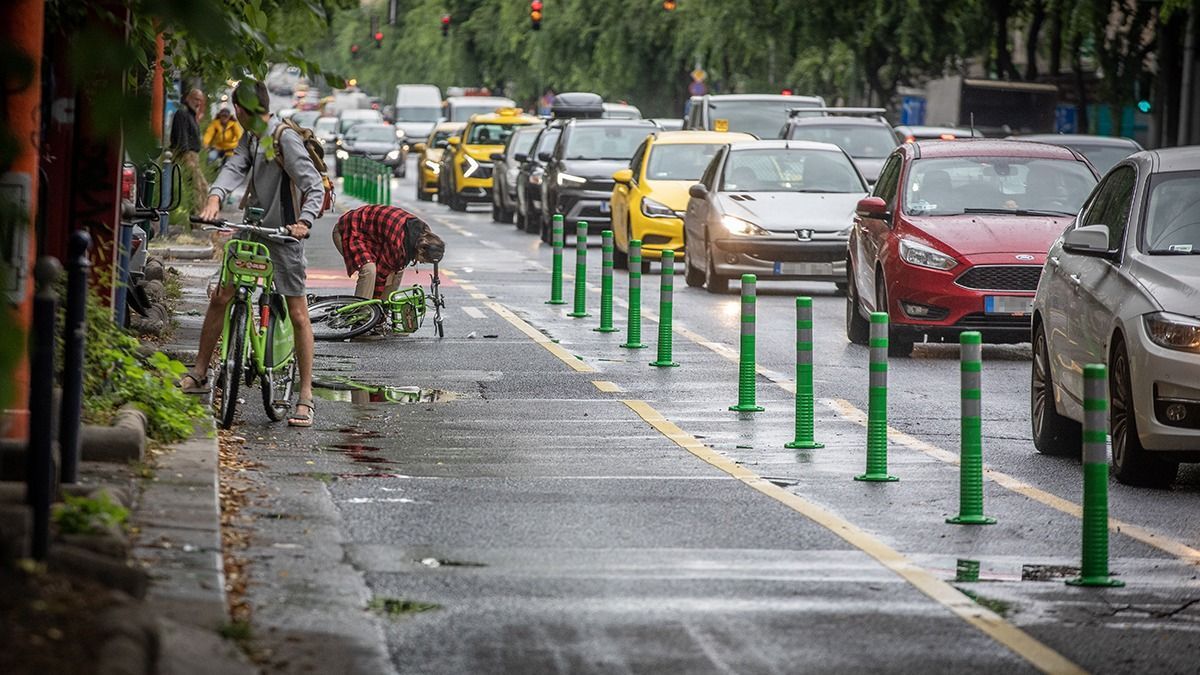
point(341, 317)
point(231, 369)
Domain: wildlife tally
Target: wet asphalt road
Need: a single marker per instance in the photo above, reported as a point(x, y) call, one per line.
point(556, 531)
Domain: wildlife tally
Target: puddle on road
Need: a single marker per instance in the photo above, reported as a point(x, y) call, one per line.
point(350, 391)
point(437, 562)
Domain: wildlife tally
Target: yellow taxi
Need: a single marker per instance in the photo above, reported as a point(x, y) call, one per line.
point(649, 198)
point(429, 157)
point(466, 174)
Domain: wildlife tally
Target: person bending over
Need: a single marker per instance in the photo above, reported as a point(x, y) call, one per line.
point(377, 242)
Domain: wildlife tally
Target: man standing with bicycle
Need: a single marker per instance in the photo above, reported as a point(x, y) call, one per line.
point(282, 180)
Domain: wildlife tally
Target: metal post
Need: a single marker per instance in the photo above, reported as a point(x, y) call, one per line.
point(556, 269)
point(606, 283)
point(666, 291)
point(74, 333)
point(581, 237)
point(39, 467)
point(164, 202)
point(970, 464)
point(877, 403)
point(634, 324)
point(804, 377)
point(124, 249)
point(1093, 568)
point(747, 359)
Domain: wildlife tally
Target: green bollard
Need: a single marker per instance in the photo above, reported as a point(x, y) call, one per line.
point(356, 180)
point(666, 291)
point(1093, 569)
point(556, 269)
point(581, 237)
point(970, 463)
point(606, 283)
point(634, 324)
point(746, 361)
point(804, 377)
point(877, 403)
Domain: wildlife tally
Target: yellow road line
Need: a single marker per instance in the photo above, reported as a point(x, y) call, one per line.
point(552, 347)
point(606, 386)
point(1019, 642)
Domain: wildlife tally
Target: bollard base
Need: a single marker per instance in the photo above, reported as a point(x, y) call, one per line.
point(556, 302)
point(629, 346)
point(577, 315)
point(1095, 581)
point(664, 364)
point(746, 408)
point(971, 520)
point(876, 478)
point(604, 330)
point(804, 445)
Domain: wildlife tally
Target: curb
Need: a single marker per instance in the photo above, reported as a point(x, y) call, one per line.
point(185, 252)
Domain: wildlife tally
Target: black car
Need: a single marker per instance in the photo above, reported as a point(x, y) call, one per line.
point(505, 172)
point(862, 133)
point(529, 178)
point(1102, 151)
point(578, 181)
point(376, 141)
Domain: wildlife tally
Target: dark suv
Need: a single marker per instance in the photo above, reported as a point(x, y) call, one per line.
point(507, 167)
point(578, 181)
point(862, 133)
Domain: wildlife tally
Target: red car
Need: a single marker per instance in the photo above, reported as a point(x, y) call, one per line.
point(954, 235)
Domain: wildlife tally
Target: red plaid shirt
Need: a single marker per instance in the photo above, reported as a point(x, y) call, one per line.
point(377, 234)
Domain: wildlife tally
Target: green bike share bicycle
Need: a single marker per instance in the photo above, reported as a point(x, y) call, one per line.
point(255, 345)
point(341, 317)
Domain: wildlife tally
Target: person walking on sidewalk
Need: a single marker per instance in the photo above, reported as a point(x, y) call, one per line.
point(377, 242)
point(185, 140)
point(222, 135)
point(286, 184)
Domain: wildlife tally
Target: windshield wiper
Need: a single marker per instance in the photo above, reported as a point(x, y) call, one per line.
point(1021, 212)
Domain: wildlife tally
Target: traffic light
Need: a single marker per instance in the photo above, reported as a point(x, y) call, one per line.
point(378, 39)
point(446, 25)
point(354, 51)
point(535, 14)
point(669, 5)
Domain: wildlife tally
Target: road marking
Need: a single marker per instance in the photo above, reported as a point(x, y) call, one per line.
point(474, 312)
point(606, 386)
point(552, 347)
point(1019, 642)
point(479, 296)
point(467, 286)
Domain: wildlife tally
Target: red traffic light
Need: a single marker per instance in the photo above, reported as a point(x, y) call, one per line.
point(378, 36)
point(535, 6)
point(535, 14)
point(669, 5)
point(446, 20)
point(353, 49)
point(786, 92)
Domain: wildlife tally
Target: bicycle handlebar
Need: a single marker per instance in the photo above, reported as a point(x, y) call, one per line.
point(277, 233)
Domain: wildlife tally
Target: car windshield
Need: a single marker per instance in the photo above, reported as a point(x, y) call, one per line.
point(858, 140)
point(348, 122)
point(1018, 185)
point(761, 118)
point(522, 141)
point(374, 133)
point(601, 142)
point(423, 114)
point(548, 139)
point(790, 170)
point(1172, 220)
point(326, 125)
point(680, 161)
point(440, 137)
point(1104, 157)
point(489, 134)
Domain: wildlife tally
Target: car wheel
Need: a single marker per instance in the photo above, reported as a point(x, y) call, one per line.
point(899, 343)
point(858, 329)
point(497, 213)
point(621, 258)
point(1132, 463)
point(454, 201)
point(713, 282)
point(691, 275)
point(422, 195)
point(1053, 434)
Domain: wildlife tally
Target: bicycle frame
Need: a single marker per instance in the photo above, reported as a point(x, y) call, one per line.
point(270, 343)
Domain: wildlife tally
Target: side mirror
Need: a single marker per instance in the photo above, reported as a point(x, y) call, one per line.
point(419, 147)
point(453, 140)
point(544, 156)
point(497, 156)
point(872, 207)
point(521, 156)
point(623, 175)
point(1087, 240)
point(699, 191)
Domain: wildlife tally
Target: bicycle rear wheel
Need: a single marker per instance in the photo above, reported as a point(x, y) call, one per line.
point(332, 317)
point(277, 391)
point(231, 369)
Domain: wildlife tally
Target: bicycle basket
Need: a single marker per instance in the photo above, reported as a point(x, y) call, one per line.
point(246, 262)
point(407, 307)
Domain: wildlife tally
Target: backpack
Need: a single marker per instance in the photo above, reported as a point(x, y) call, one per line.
point(316, 153)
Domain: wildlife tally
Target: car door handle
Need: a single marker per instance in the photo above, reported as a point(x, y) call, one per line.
point(1054, 260)
point(1075, 280)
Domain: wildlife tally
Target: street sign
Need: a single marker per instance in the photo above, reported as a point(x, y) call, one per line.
point(698, 75)
point(697, 88)
point(912, 110)
point(1065, 120)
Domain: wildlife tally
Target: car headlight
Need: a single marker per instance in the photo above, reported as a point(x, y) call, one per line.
point(653, 209)
point(432, 166)
point(393, 154)
point(342, 154)
point(469, 166)
point(742, 228)
point(564, 178)
point(1174, 331)
point(924, 256)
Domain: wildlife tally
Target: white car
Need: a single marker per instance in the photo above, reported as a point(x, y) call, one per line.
point(1122, 287)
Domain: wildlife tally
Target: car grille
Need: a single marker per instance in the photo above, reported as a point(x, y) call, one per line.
point(981, 321)
point(599, 185)
point(1001, 277)
point(484, 171)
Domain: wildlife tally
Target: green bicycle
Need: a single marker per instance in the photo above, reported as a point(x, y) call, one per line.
point(341, 317)
point(254, 345)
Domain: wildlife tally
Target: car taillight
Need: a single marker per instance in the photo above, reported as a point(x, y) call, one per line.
point(127, 182)
point(948, 137)
point(137, 243)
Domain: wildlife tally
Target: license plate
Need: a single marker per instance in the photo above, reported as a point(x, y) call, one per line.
point(605, 207)
point(1007, 304)
point(803, 269)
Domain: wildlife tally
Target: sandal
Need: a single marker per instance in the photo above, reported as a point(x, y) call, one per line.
point(197, 386)
point(302, 420)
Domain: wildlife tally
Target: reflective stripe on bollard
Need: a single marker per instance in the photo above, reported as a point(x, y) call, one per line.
point(970, 465)
point(877, 403)
point(556, 269)
point(633, 339)
point(606, 283)
point(1093, 568)
point(804, 377)
point(666, 292)
point(581, 238)
point(746, 360)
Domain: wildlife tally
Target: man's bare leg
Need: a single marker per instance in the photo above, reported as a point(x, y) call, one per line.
point(214, 322)
point(302, 330)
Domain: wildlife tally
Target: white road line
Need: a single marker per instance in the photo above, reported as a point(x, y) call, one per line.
point(474, 312)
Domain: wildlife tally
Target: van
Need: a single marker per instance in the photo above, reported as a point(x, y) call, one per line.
point(418, 109)
point(460, 108)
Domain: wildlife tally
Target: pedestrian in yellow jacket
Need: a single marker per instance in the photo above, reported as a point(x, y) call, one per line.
point(223, 134)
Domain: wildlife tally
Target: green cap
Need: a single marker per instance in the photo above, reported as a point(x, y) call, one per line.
point(879, 317)
point(970, 337)
point(1095, 371)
